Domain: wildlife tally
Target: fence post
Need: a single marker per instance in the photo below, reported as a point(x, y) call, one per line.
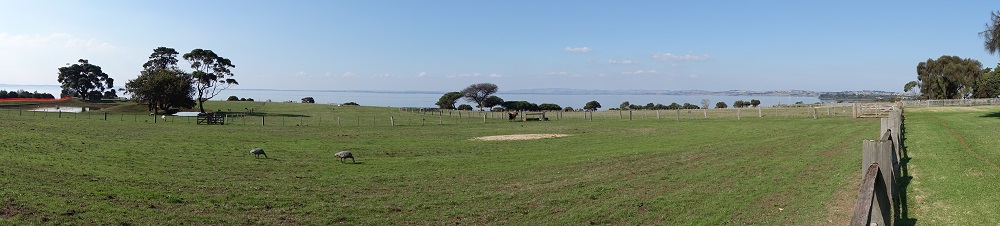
point(392, 122)
point(737, 113)
point(262, 120)
point(657, 113)
point(880, 151)
point(338, 120)
point(620, 116)
point(484, 119)
point(105, 116)
point(678, 114)
point(705, 111)
point(630, 115)
point(814, 113)
point(760, 112)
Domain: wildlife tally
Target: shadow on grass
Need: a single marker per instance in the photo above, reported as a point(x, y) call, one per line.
point(902, 207)
point(992, 115)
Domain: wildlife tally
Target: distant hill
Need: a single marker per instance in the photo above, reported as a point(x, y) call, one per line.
point(562, 91)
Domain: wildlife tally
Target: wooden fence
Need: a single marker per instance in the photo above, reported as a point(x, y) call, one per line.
point(878, 196)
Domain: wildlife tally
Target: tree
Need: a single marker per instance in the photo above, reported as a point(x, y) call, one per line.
point(690, 106)
point(447, 101)
point(755, 102)
point(520, 106)
point(212, 74)
point(161, 90)
point(351, 104)
point(673, 106)
point(568, 108)
point(705, 103)
point(161, 58)
point(721, 104)
point(492, 101)
point(988, 85)
point(592, 105)
point(232, 98)
point(624, 105)
point(549, 107)
point(948, 77)
point(465, 107)
point(477, 93)
point(308, 100)
point(83, 77)
point(991, 36)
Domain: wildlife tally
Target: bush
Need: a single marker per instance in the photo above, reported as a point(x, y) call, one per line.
point(465, 107)
point(232, 98)
point(351, 104)
point(308, 100)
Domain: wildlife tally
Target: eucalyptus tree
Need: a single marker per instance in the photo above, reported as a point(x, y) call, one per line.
point(447, 101)
point(948, 77)
point(991, 36)
point(212, 74)
point(82, 78)
point(477, 93)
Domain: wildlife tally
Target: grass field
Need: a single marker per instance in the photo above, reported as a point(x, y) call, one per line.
point(953, 153)
point(85, 170)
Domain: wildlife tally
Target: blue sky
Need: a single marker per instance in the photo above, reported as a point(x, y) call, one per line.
point(447, 45)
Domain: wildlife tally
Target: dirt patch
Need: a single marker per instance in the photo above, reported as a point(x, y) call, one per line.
point(521, 137)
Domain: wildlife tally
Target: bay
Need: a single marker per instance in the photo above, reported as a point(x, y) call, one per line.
point(424, 99)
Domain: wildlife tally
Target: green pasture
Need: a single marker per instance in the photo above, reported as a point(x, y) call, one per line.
point(952, 170)
point(424, 168)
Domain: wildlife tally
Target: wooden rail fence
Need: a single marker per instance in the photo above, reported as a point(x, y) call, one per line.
point(878, 195)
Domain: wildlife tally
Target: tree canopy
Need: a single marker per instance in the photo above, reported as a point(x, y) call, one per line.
point(161, 89)
point(162, 58)
point(592, 105)
point(212, 74)
point(492, 101)
point(948, 77)
point(82, 78)
point(477, 93)
point(447, 101)
point(991, 36)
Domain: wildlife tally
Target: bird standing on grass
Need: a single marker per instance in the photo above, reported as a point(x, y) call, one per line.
point(257, 152)
point(345, 154)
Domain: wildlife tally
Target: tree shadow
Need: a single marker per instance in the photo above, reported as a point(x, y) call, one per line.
point(902, 207)
point(992, 115)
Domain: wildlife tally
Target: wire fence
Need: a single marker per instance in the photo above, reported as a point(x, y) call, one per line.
point(428, 117)
point(951, 102)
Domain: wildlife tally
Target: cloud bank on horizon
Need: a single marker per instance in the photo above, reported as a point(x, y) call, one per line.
point(404, 45)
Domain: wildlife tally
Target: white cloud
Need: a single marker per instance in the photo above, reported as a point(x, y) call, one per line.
point(422, 74)
point(349, 74)
point(685, 57)
point(54, 40)
point(383, 75)
point(621, 62)
point(559, 73)
point(301, 73)
point(695, 76)
point(639, 72)
point(578, 49)
point(492, 75)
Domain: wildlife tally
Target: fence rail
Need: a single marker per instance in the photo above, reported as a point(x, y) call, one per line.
point(951, 102)
point(878, 197)
point(428, 117)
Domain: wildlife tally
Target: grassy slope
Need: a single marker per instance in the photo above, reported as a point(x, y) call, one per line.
point(75, 170)
point(952, 185)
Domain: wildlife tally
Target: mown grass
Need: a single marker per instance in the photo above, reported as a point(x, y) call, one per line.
point(84, 170)
point(953, 153)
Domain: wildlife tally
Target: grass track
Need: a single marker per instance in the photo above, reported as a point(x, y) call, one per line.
point(953, 153)
point(783, 170)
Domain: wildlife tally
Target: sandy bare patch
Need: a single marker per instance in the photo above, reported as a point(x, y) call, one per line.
point(520, 137)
